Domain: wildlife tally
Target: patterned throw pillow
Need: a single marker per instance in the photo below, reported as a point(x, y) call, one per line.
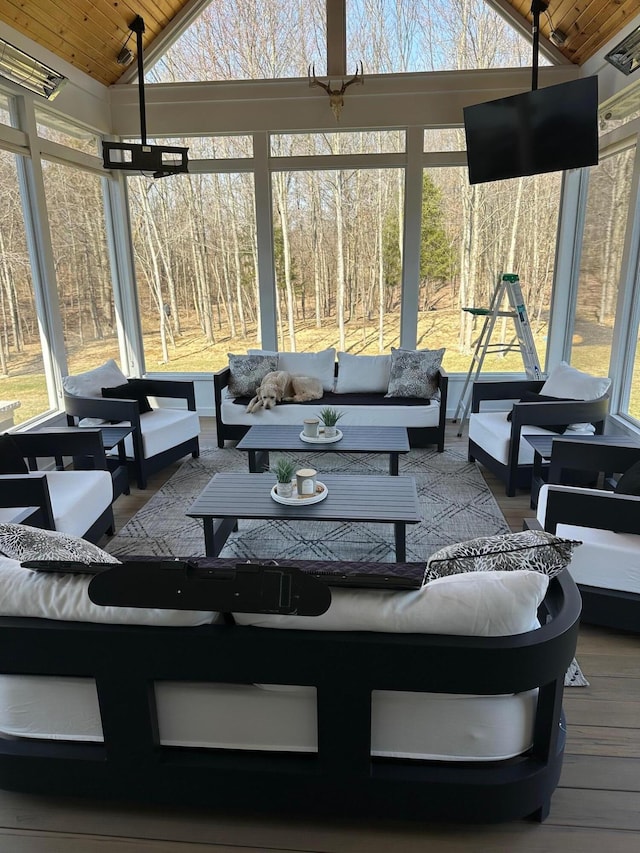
point(21, 542)
point(414, 373)
point(535, 550)
point(248, 371)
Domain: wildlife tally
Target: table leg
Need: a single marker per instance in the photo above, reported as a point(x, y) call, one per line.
point(258, 461)
point(122, 459)
point(393, 464)
point(216, 533)
point(401, 541)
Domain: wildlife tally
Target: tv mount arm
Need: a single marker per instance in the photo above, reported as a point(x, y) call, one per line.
point(537, 6)
point(137, 27)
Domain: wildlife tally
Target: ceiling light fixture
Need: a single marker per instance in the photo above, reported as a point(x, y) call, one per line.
point(29, 72)
point(625, 56)
point(159, 161)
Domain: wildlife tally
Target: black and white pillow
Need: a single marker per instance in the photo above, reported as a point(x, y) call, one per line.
point(22, 542)
point(535, 550)
point(246, 372)
point(413, 373)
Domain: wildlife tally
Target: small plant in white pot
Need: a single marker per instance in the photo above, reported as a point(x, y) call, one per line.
point(330, 417)
point(284, 469)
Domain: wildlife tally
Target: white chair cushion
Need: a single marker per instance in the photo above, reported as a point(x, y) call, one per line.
point(605, 559)
point(162, 429)
point(483, 604)
point(363, 374)
point(91, 383)
point(78, 498)
point(492, 432)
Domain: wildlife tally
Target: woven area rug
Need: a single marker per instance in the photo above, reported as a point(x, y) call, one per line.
point(455, 500)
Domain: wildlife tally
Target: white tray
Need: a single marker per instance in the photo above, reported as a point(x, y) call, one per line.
point(295, 500)
point(321, 439)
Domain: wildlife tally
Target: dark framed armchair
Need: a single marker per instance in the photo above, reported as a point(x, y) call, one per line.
point(499, 444)
point(76, 501)
point(159, 437)
point(606, 567)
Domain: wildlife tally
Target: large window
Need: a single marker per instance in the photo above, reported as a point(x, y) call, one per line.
point(22, 374)
point(470, 236)
point(602, 245)
point(85, 292)
point(195, 250)
point(338, 275)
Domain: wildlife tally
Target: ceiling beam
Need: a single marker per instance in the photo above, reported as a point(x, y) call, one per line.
point(523, 26)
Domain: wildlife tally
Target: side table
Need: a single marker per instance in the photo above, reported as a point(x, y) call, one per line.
point(543, 446)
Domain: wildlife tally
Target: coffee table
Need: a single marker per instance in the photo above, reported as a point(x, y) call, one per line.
point(367, 498)
point(260, 439)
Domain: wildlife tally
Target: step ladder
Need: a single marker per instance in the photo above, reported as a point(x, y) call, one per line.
point(509, 286)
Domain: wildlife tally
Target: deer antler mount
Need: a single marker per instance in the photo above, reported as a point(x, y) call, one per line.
point(336, 96)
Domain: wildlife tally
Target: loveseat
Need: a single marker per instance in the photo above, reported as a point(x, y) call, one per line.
point(356, 385)
point(386, 705)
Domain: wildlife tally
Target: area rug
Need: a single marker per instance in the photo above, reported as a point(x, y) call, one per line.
point(455, 501)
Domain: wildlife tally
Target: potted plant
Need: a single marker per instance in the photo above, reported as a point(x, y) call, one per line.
point(330, 417)
point(284, 469)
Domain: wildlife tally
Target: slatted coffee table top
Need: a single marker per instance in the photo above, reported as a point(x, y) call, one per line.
point(355, 439)
point(350, 498)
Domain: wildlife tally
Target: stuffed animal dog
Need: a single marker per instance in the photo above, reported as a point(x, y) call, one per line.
point(280, 385)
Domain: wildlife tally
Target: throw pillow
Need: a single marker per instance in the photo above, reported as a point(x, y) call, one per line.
point(629, 483)
point(318, 365)
point(567, 381)
point(246, 372)
point(413, 373)
point(532, 397)
point(91, 383)
point(481, 604)
point(536, 550)
point(22, 542)
point(11, 459)
point(133, 389)
point(363, 374)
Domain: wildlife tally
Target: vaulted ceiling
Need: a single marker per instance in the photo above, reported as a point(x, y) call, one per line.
point(89, 34)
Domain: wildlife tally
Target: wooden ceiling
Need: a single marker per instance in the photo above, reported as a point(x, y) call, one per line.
point(90, 33)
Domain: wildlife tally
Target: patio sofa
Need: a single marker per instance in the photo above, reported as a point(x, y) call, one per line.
point(390, 704)
point(356, 385)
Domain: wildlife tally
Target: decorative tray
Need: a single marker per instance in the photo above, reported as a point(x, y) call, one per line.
point(320, 439)
point(297, 500)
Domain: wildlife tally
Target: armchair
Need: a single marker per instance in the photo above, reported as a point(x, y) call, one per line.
point(160, 436)
point(606, 567)
point(499, 444)
point(78, 501)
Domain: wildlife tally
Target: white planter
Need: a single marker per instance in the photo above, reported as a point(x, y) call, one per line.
point(330, 431)
point(285, 490)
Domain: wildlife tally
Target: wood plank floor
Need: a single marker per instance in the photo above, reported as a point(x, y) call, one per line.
point(595, 808)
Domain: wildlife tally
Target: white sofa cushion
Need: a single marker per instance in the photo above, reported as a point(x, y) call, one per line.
point(606, 559)
point(318, 365)
point(91, 383)
point(363, 374)
point(484, 604)
point(292, 413)
point(64, 596)
point(162, 429)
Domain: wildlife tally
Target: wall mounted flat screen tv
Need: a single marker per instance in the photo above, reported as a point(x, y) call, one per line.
point(546, 130)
